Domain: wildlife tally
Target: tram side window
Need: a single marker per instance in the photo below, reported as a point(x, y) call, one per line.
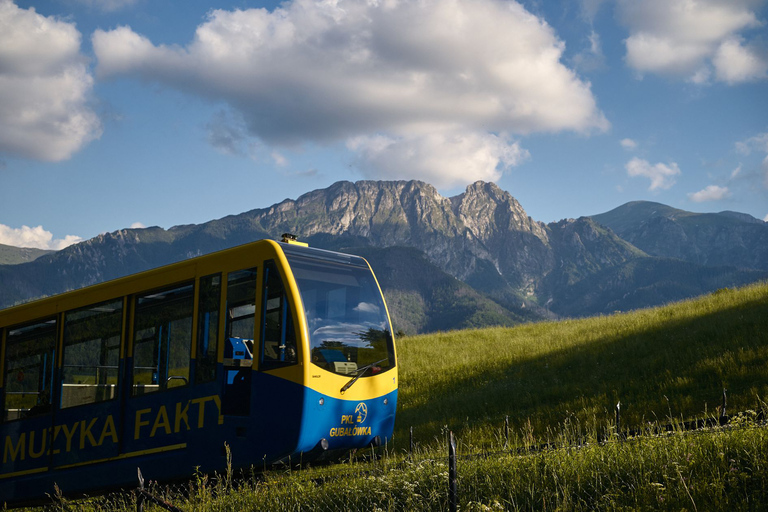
point(162, 339)
point(91, 353)
point(278, 342)
point(30, 352)
point(241, 304)
point(208, 328)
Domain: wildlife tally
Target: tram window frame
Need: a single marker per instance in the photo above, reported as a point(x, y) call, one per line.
point(163, 346)
point(209, 312)
point(93, 332)
point(16, 339)
point(279, 346)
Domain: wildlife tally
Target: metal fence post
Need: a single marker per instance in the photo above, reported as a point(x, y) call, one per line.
point(618, 419)
point(453, 493)
point(506, 432)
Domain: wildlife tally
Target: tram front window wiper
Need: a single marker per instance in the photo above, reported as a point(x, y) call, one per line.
point(359, 373)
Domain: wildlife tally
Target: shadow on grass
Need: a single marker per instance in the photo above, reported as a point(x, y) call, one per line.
point(676, 368)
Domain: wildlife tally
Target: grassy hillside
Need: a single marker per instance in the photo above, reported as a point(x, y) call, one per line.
point(14, 255)
point(669, 361)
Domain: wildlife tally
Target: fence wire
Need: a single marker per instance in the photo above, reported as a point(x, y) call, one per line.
point(202, 490)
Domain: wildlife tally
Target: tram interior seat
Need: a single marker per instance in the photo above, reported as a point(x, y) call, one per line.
point(336, 362)
point(79, 394)
point(238, 352)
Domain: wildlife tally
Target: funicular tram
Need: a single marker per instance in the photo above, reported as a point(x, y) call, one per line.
point(277, 349)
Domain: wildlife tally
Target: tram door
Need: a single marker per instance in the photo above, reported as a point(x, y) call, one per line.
point(88, 417)
point(238, 348)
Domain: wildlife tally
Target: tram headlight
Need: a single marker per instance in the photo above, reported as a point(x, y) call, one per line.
point(321, 401)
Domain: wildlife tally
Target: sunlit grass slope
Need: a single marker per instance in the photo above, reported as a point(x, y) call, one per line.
point(671, 361)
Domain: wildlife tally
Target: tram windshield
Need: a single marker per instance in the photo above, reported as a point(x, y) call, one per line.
point(346, 318)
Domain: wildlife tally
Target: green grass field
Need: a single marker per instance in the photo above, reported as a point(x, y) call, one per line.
point(558, 382)
point(659, 363)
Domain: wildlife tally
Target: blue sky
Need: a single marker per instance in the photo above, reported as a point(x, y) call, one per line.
point(120, 113)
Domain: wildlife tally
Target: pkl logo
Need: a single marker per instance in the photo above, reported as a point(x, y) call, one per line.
point(362, 412)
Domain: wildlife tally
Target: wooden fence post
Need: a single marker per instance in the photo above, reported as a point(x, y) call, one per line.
point(410, 445)
point(453, 493)
point(723, 413)
point(506, 432)
point(140, 497)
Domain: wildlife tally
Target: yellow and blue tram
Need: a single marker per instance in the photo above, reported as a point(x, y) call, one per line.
point(278, 350)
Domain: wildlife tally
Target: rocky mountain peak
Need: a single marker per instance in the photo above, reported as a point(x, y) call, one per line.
point(473, 259)
point(486, 210)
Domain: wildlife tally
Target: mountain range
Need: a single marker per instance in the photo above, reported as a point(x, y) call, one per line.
point(472, 260)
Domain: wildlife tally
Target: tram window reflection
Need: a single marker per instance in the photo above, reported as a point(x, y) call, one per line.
point(208, 328)
point(162, 340)
point(278, 344)
point(91, 353)
point(30, 352)
point(346, 317)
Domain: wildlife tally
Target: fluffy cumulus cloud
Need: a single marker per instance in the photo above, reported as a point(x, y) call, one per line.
point(736, 63)
point(662, 176)
point(710, 193)
point(44, 87)
point(444, 159)
point(36, 238)
point(411, 76)
point(693, 39)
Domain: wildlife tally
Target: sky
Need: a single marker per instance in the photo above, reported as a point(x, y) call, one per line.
point(137, 113)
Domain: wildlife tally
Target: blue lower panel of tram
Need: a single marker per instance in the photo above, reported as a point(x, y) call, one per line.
point(171, 435)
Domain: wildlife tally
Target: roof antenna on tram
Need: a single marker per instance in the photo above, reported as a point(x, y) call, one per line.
point(290, 238)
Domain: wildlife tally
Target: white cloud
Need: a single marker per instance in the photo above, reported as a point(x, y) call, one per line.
point(107, 5)
point(589, 9)
point(331, 71)
point(443, 159)
point(734, 63)
point(765, 219)
point(757, 143)
point(628, 144)
point(44, 87)
point(138, 225)
point(710, 193)
point(591, 58)
point(684, 38)
point(279, 159)
point(662, 176)
point(37, 238)
point(227, 133)
point(764, 169)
